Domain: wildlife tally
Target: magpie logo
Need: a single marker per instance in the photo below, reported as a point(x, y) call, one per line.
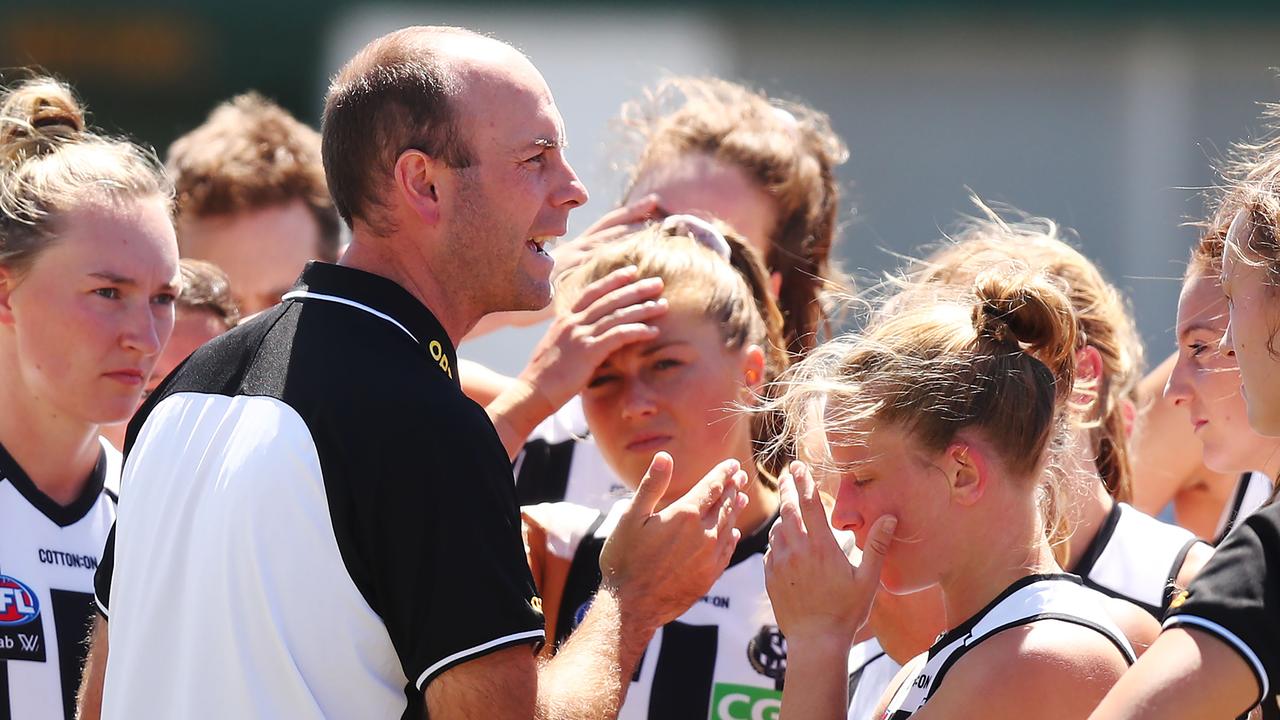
point(767, 652)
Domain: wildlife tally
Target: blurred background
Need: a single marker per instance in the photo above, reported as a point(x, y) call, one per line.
point(1102, 115)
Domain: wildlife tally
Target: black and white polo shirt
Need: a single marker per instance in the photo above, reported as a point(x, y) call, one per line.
point(315, 522)
point(48, 554)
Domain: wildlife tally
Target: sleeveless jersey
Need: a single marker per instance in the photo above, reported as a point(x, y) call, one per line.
point(723, 659)
point(1135, 557)
point(1252, 491)
point(48, 554)
point(870, 672)
point(1030, 599)
point(560, 461)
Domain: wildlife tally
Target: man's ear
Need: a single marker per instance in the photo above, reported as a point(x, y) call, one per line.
point(7, 282)
point(966, 469)
point(417, 176)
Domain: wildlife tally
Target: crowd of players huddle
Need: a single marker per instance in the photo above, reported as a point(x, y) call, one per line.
point(983, 446)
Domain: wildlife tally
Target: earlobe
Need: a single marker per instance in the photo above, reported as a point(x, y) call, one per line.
point(416, 179)
point(753, 367)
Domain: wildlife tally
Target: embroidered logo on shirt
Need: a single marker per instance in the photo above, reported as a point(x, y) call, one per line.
point(767, 653)
point(18, 603)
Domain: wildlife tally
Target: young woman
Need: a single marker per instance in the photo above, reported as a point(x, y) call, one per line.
point(1205, 383)
point(1219, 655)
point(679, 391)
point(721, 151)
point(88, 277)
point(1115, 548)
point(938, 421)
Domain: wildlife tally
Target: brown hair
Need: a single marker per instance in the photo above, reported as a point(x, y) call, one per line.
point(392, 96)
point(205, 288)
point(733, 295)
point(788, 149)
point(1101, 313)
point(996, 357)
point(50, 162)
point(248, 155)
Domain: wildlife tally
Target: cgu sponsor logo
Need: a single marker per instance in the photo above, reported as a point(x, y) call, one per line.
point(18, 603)
point(744, 702)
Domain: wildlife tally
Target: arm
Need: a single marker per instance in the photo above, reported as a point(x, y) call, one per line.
point(89, 698)
point(612, 312)
point(480, 383)
point(654, 566)
point(818, 597)
point(1185, 674)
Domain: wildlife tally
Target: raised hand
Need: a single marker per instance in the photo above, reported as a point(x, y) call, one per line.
point(815, 591)
point(658, 562)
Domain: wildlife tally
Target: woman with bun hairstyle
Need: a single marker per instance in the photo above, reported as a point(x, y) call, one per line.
point(88, 277)
point(678, 390)
point(1117, 549)
point(1219, 653)
point(721, 151)
point(938, 422)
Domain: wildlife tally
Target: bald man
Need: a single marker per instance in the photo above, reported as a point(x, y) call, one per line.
point(317, 522)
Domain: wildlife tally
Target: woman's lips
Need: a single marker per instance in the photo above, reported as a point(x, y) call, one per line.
point(127, 377)
point(648, 443)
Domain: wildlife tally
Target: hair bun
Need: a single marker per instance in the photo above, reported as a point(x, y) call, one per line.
point(36, 116)
point(1026, 309)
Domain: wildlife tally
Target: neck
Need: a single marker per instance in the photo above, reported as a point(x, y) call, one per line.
point(763, 502)
point(1087, 510)
point(404, 264)
point(1013, 547)
point(56, 452)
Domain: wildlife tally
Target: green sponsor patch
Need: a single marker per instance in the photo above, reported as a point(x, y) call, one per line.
point(744, 702)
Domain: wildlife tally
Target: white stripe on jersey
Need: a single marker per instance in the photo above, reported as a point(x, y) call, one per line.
point(1137, 559)
point(875, 671)
point(1056, 597)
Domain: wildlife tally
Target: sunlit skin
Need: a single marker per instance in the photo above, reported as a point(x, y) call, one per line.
point(699, 184)
point(517, 193)
point(262, 251)
point(676, 393)
point(1206, 383)
point(80, 331)
point(1250, 331)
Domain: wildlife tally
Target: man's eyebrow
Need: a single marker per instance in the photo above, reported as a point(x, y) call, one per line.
point(551, 143)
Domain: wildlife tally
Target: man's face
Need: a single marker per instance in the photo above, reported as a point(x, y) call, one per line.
point(517, 193)
point(261, 251)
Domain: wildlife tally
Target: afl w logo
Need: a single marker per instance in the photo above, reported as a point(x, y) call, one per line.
point(767, 653)
point(18, 603)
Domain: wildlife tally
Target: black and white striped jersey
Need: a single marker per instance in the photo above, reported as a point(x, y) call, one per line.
point(1236, 598)
point(871, 671)
point(1135, 557)
point(48, 554)
point(561, 462)
point(722, 659)
point(1031, 599)
point(314, 521)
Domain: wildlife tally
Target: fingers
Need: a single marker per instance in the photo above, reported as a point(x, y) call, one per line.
point(710, 491)
point(811, 509)
point(878, 541)
point(633, 212)
point(598, 289)
point(790, 517)
point(632, 293)
point(652, 486)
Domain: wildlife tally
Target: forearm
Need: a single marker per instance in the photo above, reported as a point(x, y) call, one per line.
point(516, 412)
point(817, 686)
point(589, 678)
point(89, 698)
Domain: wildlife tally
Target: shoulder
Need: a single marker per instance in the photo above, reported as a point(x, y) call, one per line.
point(1059, 666)
point(1197, 557)
point(1137, 625)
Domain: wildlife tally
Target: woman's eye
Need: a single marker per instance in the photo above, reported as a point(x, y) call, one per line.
point(109, 293)
point(860, 482)
point(164, 299)
point(1197, 349)
point(667, 364)
point(600, 381)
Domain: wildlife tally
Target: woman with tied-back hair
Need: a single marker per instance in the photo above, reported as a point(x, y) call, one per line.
point(717, 150)
point(1115, 548)
point(88, 277)
point(1219, 653)
point(938, 422)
